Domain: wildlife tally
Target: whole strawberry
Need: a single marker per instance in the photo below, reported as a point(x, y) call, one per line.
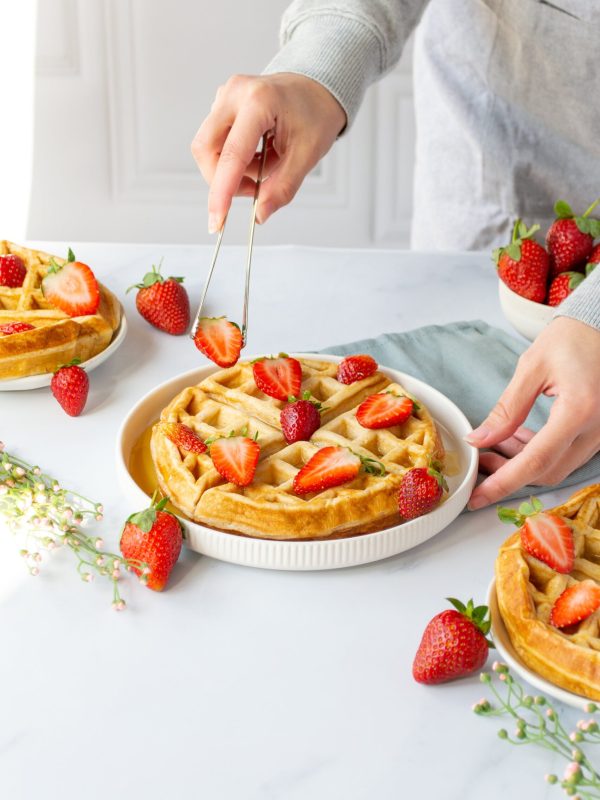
point(570, 239)
point(70, 385)
point(562, 286)
point(153, 538)
point(12, 271)
point(454, 644)
point(420, 491)
point(523, 264)
point(300, 418)
point(163, 303)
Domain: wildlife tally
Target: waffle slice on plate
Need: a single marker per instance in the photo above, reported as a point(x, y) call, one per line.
point(56, 338)
point(268, 508)
point(527, 590)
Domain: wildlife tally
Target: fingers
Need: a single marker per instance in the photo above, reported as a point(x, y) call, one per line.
point(545, 450)
point(512, 408)
point(514, 444)
point(284, 181)
point(237, 153)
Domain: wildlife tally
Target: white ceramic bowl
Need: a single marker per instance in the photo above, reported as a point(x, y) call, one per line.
point(527, 317)
point(325, 554)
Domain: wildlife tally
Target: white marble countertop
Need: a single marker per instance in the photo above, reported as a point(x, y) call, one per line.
point(239, 683)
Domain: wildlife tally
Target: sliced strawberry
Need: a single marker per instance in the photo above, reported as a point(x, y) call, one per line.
point(356, 368)
point(384, 410)
point(330, 466)
point(235, 458)
point(183, 436)
point(219, 339)
point(72, 287)
point(576, 603)
point(15, 327)
point(549, 538)
point(278, 377)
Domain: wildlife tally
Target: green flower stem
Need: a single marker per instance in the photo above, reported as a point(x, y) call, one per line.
point(538, 722)
point(45, 517)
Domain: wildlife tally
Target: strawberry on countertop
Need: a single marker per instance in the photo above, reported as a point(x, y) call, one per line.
point(523, 264)
point(575, 604)
point(163, 303)
point(219, 340)
point(235, 457)
point(153, 537)
point(332, 466)
point(12, 271)
point(183, 436)
point(356, 368)
point(15, 327)
point(70, 385)
point(544, 536)
point(454, 644)
point(279, 377)
point(570, 239)
point(300, 418)
point(71, 287)
point(421, 490)
point(562, 286)
point(384, 410)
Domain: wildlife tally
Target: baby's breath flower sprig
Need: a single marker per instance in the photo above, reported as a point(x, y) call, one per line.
point(45, 516)
point(537, 722)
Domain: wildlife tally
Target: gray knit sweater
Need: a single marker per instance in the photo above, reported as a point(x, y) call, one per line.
point(506, 123)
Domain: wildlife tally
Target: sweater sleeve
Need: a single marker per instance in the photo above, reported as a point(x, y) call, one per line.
point(584, 303)
point(345, 45)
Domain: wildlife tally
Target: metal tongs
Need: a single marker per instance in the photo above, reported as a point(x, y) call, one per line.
point(263, 156)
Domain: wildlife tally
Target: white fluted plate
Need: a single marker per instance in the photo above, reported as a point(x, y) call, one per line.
point(309, 555)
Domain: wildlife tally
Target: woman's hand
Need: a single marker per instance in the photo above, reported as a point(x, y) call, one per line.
point(563, 362)
point(304, 120)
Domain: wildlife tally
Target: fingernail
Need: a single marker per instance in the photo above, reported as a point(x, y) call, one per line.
point(478, 435)
point(264, 212)
point(479, 501)
point(213, 223)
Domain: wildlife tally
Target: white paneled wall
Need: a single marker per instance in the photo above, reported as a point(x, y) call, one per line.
point(122, 86)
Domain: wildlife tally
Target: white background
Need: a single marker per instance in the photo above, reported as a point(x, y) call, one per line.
point(122, 86)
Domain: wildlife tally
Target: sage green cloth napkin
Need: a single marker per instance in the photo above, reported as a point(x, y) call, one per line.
point(469, 362)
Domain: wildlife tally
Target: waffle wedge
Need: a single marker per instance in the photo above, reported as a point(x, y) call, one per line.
point(56, 338)
point(527, 589)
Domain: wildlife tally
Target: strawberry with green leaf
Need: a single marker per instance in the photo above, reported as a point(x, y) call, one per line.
point(421, 490)
point(523, 264)
point(454, 644)
point(220, 340)
point(544, 536)
point(235, 457)
point(333, 466)
point(570, 239)
point(562, 286)
point(152, 537)
point(164, 303)
point(300, 418)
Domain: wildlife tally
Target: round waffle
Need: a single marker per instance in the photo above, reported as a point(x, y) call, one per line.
point(268, 508)
point(527, 589)
point(57, 338)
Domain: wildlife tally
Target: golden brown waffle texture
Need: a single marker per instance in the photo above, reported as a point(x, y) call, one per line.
point(268, 508)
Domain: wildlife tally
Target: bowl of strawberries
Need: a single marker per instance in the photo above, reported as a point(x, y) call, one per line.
point(533, 279)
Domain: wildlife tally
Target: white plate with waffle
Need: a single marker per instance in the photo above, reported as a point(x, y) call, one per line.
point(507, 653)
point(138, 479)
point(38, 381)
